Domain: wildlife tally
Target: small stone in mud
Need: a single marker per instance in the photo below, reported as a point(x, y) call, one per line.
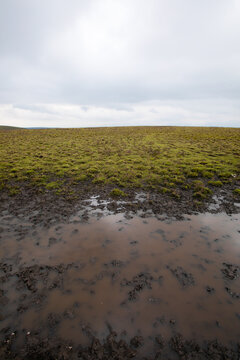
point(162, 233)
point(159, 340)
point(68, 314)
point(53, 319)
point(75, 231)
point(52, 240)
point(154, 300)
point(232, 294)
point(159, 320)
point(137, 341)
point(210, 289)
point(76, 304)
point(57, 228)
point(85, 216)
point(231, 271)
point(184, 278)
point(134, 242)
point(22, 308)
point(172, 321)
point(184, 348)
point(115, 263)
point(93, 260)
point(3, 300)
point(128, 216)
point(5, 268)
point(106, 242)
point(176, 242)
point(134, 253)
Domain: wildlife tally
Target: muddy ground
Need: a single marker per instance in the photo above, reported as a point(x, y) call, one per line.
point(47, 207)
point(100, 278)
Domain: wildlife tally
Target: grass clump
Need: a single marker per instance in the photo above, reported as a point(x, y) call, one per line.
point(14, 190)
point(215, 183)
point(200, 191)
point(53, 185)
point(117, 193)
point(207, 174)
point(192, 174)
point(225, 174)
point(237, 192)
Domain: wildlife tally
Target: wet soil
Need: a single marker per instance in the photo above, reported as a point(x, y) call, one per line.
point(47, 207)
point(101, 284)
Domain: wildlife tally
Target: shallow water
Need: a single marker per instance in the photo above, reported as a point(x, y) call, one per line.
point(139, 276)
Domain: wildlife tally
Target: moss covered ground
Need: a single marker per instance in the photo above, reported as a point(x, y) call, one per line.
point(162, 159)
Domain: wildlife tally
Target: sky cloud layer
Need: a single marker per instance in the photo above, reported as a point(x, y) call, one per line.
point(118, 62)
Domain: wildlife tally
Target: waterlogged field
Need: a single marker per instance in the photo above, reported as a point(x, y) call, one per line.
point(120, 288)
point(120, 243)
point(163, 159)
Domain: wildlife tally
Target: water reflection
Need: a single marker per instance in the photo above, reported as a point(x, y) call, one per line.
point(141, 276)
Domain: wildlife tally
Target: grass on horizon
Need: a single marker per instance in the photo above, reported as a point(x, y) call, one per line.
point(164, 159)
point(6, 127)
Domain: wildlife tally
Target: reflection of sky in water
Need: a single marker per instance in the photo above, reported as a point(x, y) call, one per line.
point(106, 252)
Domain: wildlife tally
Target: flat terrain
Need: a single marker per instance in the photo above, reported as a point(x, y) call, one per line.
point(148, 157)
point(120, 243)
point(6, 127)
point(185, 164)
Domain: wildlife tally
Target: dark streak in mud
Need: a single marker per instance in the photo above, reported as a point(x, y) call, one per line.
point(184, 278)
point(48, 208)
point(111, 348)
point(231, 271)
point(138, 283)
point(210, 289)
point(186, 349)
point(31, 275)
point(232, 294)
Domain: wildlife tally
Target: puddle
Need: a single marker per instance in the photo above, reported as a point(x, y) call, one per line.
point(216, 202)
point(138, 276)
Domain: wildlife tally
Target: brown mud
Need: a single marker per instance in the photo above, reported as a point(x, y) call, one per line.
point(47, 207)
point(103, 283)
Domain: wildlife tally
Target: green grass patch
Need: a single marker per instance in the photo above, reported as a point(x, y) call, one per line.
point(215, 183)
point(237, 192)
point(53, 185)
point(154, 158)
point(117, 192)
point(200, 191)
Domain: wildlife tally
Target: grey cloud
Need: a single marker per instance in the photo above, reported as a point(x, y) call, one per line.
point(112, 54)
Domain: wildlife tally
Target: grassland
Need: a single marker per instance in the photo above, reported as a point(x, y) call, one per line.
point(5, 127)
point(162, 159)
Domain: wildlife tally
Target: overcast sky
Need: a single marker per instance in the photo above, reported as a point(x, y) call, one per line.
point(74, 63)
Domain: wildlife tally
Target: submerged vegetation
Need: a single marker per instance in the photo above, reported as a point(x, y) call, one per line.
point(162, 159)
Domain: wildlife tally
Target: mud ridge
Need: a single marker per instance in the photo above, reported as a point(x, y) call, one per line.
point(112, 348)
point(48, 207)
